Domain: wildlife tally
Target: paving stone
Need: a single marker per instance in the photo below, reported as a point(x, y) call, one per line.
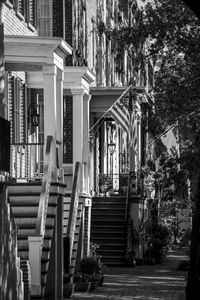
point(148, 282)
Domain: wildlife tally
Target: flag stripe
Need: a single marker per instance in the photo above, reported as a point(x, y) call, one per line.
point(133, 132)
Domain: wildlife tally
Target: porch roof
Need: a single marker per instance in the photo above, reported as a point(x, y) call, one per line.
point(104, 97)
point(30, 53)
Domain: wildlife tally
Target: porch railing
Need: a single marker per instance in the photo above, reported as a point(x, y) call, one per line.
point(44, 195)
point(26, 160)
point(113, 183)
point(69, 237)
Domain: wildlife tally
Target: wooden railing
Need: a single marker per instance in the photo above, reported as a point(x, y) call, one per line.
point(74, 202)
point(69, 237)
point(44, 195)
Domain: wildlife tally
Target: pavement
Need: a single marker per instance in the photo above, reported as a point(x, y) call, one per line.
point(148, 282)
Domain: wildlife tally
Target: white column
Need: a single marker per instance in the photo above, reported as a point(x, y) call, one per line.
point(59, 116)
point(77, 127)
point(86, 100)
point(50, 109)
point(35, 243)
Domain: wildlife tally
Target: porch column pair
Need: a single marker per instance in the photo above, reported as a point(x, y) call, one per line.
point(81, 135)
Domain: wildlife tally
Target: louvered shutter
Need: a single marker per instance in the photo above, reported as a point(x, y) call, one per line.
point(32, 12)
point(11, 105)
point(23, 112)
point(25, 117)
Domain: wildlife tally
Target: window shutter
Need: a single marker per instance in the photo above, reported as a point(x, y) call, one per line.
point(11, 105)
point(21, 7)
point(32, 12)
point(23, 112)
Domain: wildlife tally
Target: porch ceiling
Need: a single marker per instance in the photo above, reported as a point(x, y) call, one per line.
point(30, 53)
point(103, 97)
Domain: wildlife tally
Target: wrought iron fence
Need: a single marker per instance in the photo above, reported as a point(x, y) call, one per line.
point(113, 183)
point(121, 183)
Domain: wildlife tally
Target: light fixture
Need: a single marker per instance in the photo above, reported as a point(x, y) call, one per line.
point(34, 116)
point(112, 147)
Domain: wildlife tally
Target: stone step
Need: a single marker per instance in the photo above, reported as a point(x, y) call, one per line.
point(24, 188)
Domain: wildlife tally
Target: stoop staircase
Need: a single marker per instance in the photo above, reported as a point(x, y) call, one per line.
point(108, 228)
point(24, 200)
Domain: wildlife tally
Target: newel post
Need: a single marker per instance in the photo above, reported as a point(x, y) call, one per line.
point(35, 252)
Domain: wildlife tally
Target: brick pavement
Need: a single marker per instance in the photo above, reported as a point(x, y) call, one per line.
point(148, 282)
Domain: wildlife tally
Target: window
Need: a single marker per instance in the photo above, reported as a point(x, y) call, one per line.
point(45, 18)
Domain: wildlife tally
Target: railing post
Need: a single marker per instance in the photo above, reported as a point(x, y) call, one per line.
point(35, 251)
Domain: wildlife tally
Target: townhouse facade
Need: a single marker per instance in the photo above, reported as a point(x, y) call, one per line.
point(62, 73)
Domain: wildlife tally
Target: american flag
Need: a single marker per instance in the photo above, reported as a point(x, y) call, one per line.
point(120, 114)
point(127, 121)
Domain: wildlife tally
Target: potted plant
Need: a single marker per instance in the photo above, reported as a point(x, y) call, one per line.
point(68, 286)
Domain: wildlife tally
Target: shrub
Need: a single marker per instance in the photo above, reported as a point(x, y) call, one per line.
point(158, 240)
point(89, 265)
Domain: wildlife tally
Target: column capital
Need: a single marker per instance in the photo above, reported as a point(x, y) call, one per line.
point(78, 91)
point(87, 97)
point(49, 69)
point(60, 74)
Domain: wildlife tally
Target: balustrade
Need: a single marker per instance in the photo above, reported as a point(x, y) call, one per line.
point(26, 160)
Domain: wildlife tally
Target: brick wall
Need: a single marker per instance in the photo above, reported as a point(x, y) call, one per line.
point(68, 27)
point(57, 18)
point(68, 21)
point(14, 23)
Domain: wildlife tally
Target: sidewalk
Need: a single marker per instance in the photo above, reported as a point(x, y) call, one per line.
point(156, 282)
